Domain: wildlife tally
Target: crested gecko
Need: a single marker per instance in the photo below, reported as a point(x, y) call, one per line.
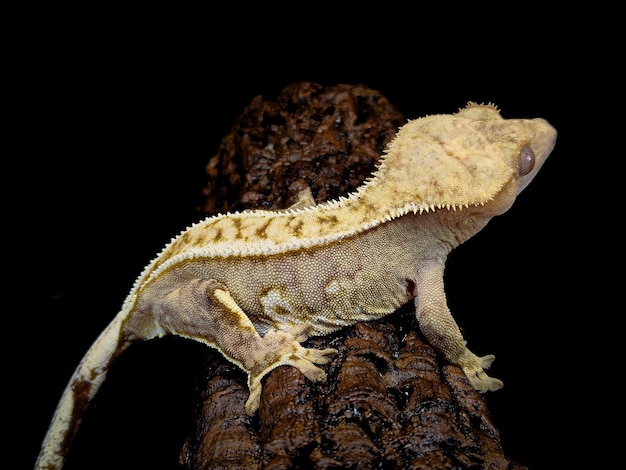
point(256, 284)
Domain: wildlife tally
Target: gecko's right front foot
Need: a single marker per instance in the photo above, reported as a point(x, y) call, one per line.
point(282, 348)
point(473, 366)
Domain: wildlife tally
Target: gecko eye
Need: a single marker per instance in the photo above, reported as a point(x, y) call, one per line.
point(525, 161)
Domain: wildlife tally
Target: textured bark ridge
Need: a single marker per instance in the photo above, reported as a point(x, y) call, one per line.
point(390, 401)
point(327, 137)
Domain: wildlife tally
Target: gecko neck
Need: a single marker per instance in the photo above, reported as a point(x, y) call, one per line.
point(388, 196)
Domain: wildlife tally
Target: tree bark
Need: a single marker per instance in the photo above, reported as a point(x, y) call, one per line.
point(390, 401)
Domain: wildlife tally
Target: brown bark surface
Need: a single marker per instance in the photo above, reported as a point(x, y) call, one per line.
point(390, 401)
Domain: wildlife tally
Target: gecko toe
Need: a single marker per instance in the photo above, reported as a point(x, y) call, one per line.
point(311, 372)
point(485, 361)
point(252, 404)
point(301, 332)
point(320, 356)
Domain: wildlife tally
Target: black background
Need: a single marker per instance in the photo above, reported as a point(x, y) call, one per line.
point(117, 114)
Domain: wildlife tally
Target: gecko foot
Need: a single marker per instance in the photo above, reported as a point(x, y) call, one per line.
point(473, 366)
point(282, 348)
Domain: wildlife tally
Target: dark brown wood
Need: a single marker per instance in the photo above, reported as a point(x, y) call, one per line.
point(327, 137)
point(390, 401)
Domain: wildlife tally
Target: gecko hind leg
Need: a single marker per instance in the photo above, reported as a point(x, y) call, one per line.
point(204, 310)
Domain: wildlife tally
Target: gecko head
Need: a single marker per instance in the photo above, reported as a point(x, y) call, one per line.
point(472, 158)
point(522, 145)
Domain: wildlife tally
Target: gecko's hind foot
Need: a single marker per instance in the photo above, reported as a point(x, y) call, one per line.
point(281, 348)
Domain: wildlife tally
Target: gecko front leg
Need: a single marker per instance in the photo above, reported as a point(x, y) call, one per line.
point(205, 311)
point(438, 325)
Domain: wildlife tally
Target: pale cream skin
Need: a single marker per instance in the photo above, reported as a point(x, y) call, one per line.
point(256, 284)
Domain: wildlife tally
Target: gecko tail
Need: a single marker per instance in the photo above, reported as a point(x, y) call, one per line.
point(79, 392)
